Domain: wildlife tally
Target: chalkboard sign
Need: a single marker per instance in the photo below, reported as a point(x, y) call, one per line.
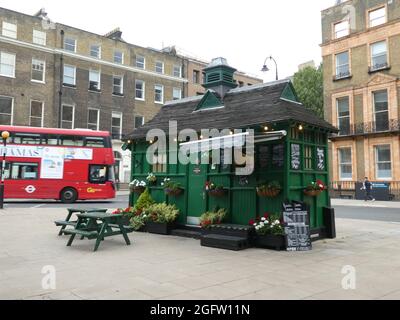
point(278, 155)
point(297, 226)
point(321, 159)
point(295, 157)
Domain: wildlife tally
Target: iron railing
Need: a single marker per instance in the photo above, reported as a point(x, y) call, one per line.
point(340, 189)
point(353, 129)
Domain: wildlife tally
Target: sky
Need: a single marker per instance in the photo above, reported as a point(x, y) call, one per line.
point(244, 32)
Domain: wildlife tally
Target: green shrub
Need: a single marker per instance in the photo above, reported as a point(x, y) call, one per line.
point(145, 200)
point(138, 222)
point(162, 213)
point(211, 218)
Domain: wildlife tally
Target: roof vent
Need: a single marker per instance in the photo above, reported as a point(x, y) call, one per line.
point(41, 13)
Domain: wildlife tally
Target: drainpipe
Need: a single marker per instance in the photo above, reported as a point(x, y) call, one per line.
point(60, 93)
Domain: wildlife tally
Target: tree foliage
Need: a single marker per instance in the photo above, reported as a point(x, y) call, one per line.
point(308, 84)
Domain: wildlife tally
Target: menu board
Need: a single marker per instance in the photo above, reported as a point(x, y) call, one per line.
point(321, 159)
point(295, 157)
point(296, 217)
point(278, 155)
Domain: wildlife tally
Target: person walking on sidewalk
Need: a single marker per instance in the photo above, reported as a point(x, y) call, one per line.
point(367, 186)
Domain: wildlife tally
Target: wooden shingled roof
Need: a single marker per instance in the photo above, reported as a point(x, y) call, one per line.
point(242, 108)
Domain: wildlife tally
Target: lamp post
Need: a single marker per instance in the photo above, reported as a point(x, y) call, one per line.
point(5, 135)
point(266, 69)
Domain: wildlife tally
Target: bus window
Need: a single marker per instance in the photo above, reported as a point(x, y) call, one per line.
point(72, 141)
point(95, 142)
point(98, 174)
point(50, 139)
point(7, 171)
point(24, 171)
point(27, 138)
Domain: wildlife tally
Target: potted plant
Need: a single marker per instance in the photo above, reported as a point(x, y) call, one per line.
point(137, 186)
point(126, 215)
point(151, 179)
point(314, 189)
point(269, 190)
point(172, 188)
point(209, 219)
point(214, 190)
point(270, 232)
point(161, 218)
point(139, 216)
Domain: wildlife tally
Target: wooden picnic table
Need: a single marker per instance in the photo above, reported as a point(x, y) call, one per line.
point(98, 226)
point(67, 222)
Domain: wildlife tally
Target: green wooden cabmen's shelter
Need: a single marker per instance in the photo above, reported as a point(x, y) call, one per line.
point(291, 147)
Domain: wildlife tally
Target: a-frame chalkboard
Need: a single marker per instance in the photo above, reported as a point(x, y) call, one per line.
point(296, 216)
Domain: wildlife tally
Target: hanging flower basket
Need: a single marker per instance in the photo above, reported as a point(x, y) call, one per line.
point(138, 189)
point(173, 192)
point(268, 193)
point(312, 193)
point(218, 193)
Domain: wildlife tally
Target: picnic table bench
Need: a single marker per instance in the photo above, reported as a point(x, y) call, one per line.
point(98, 226)
point(67, 222)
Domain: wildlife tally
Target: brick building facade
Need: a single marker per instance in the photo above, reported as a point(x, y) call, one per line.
point(361, 57)
point(54, 75)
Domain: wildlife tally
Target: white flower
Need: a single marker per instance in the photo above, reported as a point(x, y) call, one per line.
point(255, 224)
point(267, 222)
point(162, 184)
point(263, 219)
point(277, 222)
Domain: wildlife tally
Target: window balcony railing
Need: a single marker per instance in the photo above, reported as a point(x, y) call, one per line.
point(369, 128)
point(378, 66)
point(342, 75)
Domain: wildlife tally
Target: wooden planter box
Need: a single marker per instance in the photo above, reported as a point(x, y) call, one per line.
point(159, 228)
point(270, 241)
point(138, 190)
point(173, 192)
point(270, 193)
point(312, 193)
point(217, 193)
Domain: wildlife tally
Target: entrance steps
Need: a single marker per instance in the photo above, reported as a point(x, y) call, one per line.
point(186, 233)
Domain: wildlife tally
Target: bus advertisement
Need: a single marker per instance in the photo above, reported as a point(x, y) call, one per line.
point(59, 164)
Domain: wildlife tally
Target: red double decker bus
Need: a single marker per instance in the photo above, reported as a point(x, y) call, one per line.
point(66, 165)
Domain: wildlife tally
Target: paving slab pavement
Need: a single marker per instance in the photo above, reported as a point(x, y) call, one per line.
point(160, 267)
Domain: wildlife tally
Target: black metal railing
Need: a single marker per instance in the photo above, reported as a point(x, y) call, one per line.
point(347, 189)
point(392, 125)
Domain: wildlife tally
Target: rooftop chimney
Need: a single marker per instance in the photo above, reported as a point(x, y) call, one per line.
point(41, 13)
point(115, 34)
point(219, 76)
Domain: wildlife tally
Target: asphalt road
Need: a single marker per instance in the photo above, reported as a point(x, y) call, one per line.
point(121, 201)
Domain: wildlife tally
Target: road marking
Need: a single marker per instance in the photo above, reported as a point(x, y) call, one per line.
point(38, 206)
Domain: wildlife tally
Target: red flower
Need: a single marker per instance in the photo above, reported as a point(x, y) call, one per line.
point(116, 212)
point(266, 215)
point(127, 210)
point(252, 222)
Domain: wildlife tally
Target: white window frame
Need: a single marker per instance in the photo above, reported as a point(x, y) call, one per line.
point(75, 44)
point(379, 18)
point(372, 56)
point(143, 90)
point(99, 52)
point(337, 111)
point(73, 114)
point(98, 118)
point(12, 108)
point(162, 93)
point(180, 71)
point(162, 66)
point(44, 71)
point(340, 163)
point(381, 111)
point(30, 113)
point(134, 120)
point(120, 115)
point(122, 57)
point(98, 72)
point(180, 93)
point(144, 62)
point(336, 32)
point(72, 67)
point(376, 147)
point(337, 75)
point(121, 85)
point(39, 37)
point(14, 57)
point(9, 30)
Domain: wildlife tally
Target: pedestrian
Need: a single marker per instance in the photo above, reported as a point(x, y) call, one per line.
point(367, 187)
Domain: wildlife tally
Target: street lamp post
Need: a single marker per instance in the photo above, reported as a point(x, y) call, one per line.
point(5, 135)
point(266, 69)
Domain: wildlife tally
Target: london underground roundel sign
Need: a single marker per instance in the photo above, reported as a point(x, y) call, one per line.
point(30, 189)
